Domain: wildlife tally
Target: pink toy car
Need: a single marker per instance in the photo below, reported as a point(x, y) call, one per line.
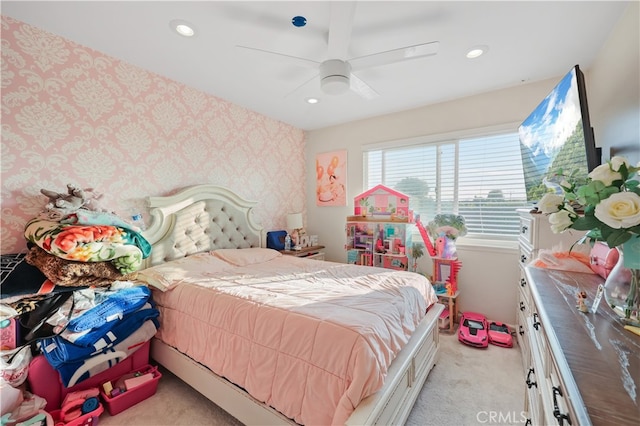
point(500, 334)
point(473, 330)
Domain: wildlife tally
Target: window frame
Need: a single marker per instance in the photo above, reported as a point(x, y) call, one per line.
point(452, 137)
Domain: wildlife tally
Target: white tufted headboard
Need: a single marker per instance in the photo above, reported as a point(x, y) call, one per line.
point(198, 219)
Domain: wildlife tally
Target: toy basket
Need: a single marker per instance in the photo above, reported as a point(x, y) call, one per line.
point(89, 419)
point(131, 397)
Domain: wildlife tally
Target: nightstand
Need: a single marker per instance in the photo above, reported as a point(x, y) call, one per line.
point(314, 252)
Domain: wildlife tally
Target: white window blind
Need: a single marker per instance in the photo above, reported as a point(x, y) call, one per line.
point(479, 178)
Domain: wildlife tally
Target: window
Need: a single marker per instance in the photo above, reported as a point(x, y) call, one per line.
point(477, 176)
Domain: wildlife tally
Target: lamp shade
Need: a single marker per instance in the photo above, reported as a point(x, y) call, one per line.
point(294, 221)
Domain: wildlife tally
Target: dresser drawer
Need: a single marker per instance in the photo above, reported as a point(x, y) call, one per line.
point(533, 399)
point(524, 293)
point(558, 412)
point(527, 254)
point(539, 344)
point(526, 230)
point(523, 340)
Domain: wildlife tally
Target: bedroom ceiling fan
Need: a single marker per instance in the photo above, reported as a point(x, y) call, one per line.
point(336, 74)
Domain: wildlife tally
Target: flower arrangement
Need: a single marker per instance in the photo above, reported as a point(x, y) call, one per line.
point(609, 200)
point(609, 206)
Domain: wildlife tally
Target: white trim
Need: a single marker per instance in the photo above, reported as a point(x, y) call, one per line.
point(442, 137)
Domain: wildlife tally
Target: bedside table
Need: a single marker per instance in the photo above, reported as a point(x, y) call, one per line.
point(314, 252)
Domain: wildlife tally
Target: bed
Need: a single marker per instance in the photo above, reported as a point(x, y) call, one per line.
point(247, 301)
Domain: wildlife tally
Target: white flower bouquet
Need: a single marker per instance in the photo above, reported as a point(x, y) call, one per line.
point(608, 207)
point(609, 203)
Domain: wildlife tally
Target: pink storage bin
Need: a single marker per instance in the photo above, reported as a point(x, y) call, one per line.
point(129, 398)
point(45, 381)
point(89, 419)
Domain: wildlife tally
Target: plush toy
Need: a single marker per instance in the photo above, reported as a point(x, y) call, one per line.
point(76, 198)
point(91, 199)
point(445, 247)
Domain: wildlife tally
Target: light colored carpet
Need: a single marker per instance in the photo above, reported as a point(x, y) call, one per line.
point(467, 386)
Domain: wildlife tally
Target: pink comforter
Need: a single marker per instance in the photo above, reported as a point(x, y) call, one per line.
point(309, 338)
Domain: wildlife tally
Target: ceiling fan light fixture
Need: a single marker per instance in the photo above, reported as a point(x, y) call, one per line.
point(334, 76)
point(335, 84)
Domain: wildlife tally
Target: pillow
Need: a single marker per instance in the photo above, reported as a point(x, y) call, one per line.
point(247, 256)
point(186, 269)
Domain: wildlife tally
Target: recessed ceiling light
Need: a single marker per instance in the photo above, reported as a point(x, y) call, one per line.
point(476, 51)
point(183, 28)
point(312, 100)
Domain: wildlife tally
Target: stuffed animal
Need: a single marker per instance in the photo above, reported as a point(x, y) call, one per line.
point(445, 247)
point(91, 199)
point(76, 198)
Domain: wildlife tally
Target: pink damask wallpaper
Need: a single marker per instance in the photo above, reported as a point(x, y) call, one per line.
point(73, 115)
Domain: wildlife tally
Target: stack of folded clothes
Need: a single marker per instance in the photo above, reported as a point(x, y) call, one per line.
point(73, 296)
point(104, 328)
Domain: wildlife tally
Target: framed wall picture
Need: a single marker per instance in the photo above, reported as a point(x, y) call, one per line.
point(331, 178)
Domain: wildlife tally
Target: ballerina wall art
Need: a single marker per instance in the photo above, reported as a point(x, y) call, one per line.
point(331, 178)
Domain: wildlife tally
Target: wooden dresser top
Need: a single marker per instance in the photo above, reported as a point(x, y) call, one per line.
point(603, 357)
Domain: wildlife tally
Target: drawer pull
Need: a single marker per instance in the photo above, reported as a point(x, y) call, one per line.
point(524, 229)
point(523, 258)
point(536, 323)
point(522, 307)
point(521, 332)
point(528, 381)
point(523, 282)
point(560, 417)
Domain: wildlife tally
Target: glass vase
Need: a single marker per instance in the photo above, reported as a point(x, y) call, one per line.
point(622, 291)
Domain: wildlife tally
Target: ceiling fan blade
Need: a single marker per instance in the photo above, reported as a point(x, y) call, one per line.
point(341, 21)
point(358, 86)
point(295, 60)
point(395, 55)
point(301, 86)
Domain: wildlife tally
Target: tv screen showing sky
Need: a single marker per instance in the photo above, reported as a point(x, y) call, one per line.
point(552, 138)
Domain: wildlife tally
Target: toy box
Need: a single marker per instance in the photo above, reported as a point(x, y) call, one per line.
point(45, 381)
point(89, 419)
point(133, 387)
point(381, 202)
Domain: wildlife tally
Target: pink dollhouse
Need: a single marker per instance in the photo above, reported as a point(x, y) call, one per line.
point(381, 202)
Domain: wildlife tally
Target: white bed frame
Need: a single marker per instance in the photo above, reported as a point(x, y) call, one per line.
point(206, 217)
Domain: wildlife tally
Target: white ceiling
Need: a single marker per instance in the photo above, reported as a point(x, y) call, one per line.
point(528, 41)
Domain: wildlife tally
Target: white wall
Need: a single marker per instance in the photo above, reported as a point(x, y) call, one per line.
point(613, 86)
point(489, 276)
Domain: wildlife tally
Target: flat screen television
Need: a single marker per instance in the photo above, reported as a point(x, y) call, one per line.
point(558, 135)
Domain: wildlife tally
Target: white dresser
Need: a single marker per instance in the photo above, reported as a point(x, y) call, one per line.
point(579, 369)
point(535, 234)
